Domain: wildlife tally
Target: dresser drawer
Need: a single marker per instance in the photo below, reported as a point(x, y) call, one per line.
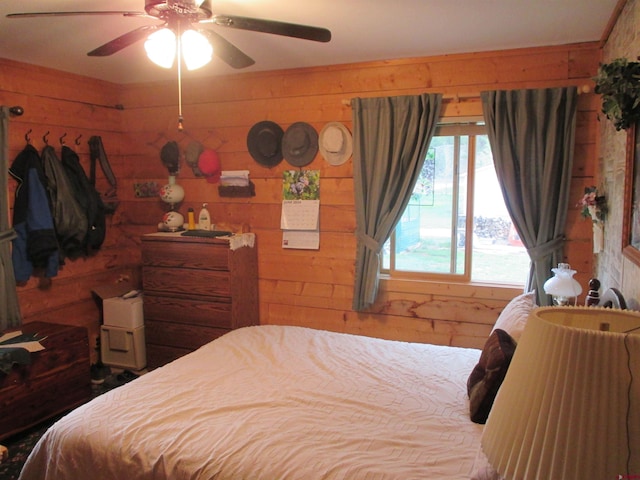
point(186, 255)
point(184, 310)
point(180, 335)
point(184, 281)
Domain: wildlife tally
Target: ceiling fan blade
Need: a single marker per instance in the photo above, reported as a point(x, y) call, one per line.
point(70, 14)
point(305, 32)
point(226, 51)
point(123, 41)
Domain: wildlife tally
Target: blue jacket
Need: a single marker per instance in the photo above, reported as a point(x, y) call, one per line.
point(35, 245)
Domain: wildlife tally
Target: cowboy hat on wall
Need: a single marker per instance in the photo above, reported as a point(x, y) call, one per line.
point(336, 143)
point(300, 144)
point(264, 142)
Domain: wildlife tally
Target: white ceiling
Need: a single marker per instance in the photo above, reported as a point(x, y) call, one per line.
point(362, 30)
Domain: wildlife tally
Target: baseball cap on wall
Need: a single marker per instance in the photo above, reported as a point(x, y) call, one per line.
point(209, 165)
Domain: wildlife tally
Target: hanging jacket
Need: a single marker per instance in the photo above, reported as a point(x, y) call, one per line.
point(88, 198)
point(35, 245)
point(69, 218)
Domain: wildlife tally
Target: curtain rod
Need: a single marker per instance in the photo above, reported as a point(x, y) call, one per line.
point(456, 97)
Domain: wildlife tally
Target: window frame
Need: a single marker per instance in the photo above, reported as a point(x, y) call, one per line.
point(470, 127)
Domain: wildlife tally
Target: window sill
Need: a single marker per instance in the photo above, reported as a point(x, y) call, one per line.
point(492, 291)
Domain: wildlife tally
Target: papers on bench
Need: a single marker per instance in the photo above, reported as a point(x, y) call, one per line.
point(17, 339)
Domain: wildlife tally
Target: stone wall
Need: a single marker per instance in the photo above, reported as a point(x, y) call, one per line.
point(611, 266)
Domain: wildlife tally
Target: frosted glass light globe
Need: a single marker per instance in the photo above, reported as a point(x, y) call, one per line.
point(562, 286)
point(196, 49)
point(173, 221)
point(161, 47)
point(172, 193)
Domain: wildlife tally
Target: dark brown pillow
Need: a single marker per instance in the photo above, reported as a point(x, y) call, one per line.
point(488, 374)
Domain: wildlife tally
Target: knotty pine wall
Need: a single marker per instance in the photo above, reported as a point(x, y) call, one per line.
point(59, 103)
point(300, 287)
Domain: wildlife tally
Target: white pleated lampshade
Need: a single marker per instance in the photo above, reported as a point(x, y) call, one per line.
point(569, 407)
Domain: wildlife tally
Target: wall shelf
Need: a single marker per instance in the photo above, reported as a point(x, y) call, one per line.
point(235, 191)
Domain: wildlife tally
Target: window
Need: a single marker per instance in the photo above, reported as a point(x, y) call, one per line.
point(456, 225)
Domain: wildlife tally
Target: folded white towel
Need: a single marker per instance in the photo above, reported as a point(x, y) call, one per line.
point(237, 178)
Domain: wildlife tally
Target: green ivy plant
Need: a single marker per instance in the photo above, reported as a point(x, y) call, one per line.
point(619, 84)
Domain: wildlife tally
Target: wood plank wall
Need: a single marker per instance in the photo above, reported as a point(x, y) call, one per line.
point(59, 103)
point(301, 287)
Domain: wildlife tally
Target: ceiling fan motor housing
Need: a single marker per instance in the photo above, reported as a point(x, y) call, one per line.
point(166, 8)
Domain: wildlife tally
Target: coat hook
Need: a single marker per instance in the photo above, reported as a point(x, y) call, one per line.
point(27, 138)
point(45, 138)
point(62, 138)
point(17, 110)
point(77, 141)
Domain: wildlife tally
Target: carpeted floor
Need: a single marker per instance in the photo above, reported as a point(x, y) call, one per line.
point(21, 445)
point(19, 448)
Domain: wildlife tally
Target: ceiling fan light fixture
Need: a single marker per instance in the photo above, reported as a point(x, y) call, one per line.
point(161, 47)
point(196, 49)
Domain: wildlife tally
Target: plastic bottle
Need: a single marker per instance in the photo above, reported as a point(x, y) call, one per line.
point(191, 219)
point(204, 219)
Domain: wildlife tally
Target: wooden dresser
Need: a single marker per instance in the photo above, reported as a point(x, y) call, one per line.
point(58, 378)
point(195, 290)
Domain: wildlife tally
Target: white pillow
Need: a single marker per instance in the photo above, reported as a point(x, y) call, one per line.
point(514, 316)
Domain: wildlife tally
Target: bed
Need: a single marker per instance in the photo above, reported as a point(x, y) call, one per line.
point(282, 402)
point(277, 402)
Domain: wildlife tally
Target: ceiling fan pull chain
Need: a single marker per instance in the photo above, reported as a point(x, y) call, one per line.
point(179, 40)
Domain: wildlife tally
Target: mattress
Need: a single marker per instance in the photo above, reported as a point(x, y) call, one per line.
point(276, 402)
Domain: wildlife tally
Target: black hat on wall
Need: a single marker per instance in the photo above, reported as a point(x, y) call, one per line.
point(264, 142)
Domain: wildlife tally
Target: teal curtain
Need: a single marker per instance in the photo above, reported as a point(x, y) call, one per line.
point(532, 137)
point(391, 136)
point(9, 308)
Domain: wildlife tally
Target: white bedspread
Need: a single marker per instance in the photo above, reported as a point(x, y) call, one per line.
point(273, 402)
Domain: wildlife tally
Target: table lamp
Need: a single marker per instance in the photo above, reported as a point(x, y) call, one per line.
point(569, 406)
point(173, 194)
point(562, 286)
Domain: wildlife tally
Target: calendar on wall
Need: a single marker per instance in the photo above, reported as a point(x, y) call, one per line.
point(300, 217)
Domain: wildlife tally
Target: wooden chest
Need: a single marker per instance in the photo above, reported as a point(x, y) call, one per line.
point(58, 378)
point(195, 290)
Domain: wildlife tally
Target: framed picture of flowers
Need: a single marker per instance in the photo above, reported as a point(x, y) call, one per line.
point(631, 218)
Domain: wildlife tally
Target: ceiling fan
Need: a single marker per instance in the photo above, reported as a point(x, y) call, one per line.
point(182, 15)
